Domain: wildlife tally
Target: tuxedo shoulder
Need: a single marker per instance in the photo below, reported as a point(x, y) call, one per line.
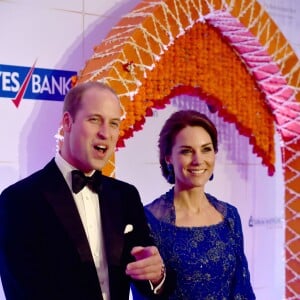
point(34, 180)
point(116, 182)
point(112, 180)
point(26, 182)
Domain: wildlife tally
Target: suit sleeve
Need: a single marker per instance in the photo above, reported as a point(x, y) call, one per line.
point(19, 251)
point(141, 237)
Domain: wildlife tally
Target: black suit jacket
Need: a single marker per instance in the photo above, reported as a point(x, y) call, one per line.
point(44, 252)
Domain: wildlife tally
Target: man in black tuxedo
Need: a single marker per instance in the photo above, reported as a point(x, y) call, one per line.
point(70, 235)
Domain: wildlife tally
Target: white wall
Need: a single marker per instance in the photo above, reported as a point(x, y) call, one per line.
point(60, 34)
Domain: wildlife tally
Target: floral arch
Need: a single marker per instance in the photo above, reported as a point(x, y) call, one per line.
point(172, 47)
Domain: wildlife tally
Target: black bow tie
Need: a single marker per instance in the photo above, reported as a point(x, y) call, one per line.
point(79, 181)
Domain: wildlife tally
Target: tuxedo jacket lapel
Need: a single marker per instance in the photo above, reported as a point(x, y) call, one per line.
point(60, 198)
point(112, 221)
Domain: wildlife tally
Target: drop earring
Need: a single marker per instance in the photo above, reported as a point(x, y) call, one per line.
point(171, 175)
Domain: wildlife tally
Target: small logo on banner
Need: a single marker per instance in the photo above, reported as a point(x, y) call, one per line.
point(18, 83)
point(268, 222)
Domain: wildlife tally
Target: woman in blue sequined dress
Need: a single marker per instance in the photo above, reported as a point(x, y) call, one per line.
point(198, 236)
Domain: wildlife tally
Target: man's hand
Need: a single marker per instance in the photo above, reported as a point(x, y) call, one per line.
point(148, 265)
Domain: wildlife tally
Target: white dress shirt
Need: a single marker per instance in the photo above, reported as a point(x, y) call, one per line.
point(88, 206)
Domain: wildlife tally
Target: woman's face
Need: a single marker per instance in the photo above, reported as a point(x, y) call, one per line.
point(193, 157)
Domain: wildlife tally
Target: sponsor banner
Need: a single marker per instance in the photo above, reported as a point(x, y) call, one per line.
point(17, 83)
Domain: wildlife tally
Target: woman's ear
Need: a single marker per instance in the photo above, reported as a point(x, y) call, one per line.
point(167, 160)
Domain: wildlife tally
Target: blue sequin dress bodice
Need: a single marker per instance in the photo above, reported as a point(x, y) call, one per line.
point(209, 261)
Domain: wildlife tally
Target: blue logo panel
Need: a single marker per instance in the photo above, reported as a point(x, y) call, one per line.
point(43, 84)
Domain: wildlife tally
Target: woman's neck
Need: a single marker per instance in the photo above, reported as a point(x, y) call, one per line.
point(193, 200)
point(192, 209)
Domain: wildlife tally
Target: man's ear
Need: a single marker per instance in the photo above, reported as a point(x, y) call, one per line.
point(67, 121)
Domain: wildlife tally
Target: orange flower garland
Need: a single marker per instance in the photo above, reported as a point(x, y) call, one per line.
point(225, 84)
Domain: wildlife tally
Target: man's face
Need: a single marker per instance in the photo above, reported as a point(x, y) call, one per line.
point(92, 136)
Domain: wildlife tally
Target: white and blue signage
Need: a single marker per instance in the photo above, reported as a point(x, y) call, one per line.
point(19, 83)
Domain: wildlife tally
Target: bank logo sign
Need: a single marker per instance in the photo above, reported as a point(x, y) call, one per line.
point(18, 83)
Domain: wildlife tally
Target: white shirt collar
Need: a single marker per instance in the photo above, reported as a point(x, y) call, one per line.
point(65, 168)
